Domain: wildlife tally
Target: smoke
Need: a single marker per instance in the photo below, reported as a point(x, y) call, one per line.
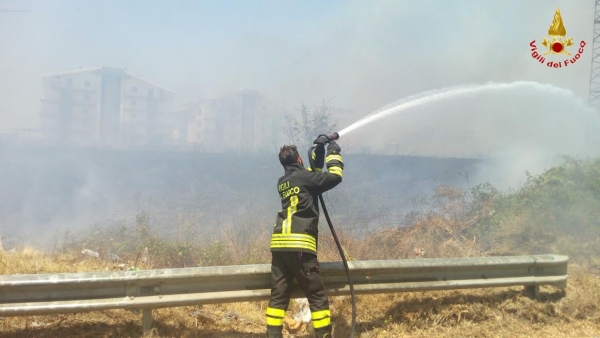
point(360, 54)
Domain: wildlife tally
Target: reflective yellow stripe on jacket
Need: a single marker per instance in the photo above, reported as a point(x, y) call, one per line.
point(335, 164)
point(294, 241)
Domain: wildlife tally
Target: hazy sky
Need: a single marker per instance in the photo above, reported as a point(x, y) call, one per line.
point(363, 54)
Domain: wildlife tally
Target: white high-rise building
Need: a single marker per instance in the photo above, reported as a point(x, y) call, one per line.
point(105, 107)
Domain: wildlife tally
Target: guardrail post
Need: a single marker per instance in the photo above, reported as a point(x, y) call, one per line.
point(147, 320)
point(533, 290)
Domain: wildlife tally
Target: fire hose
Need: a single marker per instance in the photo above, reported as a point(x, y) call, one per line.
point(330, 138)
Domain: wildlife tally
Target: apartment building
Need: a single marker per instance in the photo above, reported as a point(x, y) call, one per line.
point(105, 106)
point(242, 121)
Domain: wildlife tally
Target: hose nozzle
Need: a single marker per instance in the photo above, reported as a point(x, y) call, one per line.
point(328, 138)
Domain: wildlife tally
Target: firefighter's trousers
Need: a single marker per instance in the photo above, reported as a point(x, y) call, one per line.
point(304, 267)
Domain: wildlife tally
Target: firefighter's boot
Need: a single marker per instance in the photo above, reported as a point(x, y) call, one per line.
point(274, 331)
point(324, 332)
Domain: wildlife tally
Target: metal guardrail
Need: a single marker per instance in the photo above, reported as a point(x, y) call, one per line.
point(60, 293)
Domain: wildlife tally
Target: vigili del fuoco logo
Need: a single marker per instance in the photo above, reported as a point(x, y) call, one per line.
point(557, 44)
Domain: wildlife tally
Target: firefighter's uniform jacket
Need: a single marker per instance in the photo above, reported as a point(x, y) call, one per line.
point(296, 226)
point(294, 240)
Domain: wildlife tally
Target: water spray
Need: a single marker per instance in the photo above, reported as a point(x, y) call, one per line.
point(335, 136)
point(456, 91)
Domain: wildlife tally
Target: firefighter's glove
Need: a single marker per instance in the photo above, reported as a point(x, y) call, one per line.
point(333, 148)
point(320, 142)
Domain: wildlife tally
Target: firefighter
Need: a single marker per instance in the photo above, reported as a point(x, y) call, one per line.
point(295, 235)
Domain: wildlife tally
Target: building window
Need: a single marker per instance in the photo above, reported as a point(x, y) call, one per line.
point(198, 136)
point(150, 93)
point(134, 90)
point(69, 83)
point(87, 97)
point(132, 116)
point(133, 102)
point(86, 110)
point(88, 84)
point(199, 124)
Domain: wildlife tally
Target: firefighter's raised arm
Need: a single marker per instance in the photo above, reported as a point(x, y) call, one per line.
point(320, 182)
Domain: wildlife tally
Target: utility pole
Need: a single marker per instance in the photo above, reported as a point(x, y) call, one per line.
point(594, 99)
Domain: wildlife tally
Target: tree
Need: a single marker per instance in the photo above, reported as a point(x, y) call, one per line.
point(313, 122)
